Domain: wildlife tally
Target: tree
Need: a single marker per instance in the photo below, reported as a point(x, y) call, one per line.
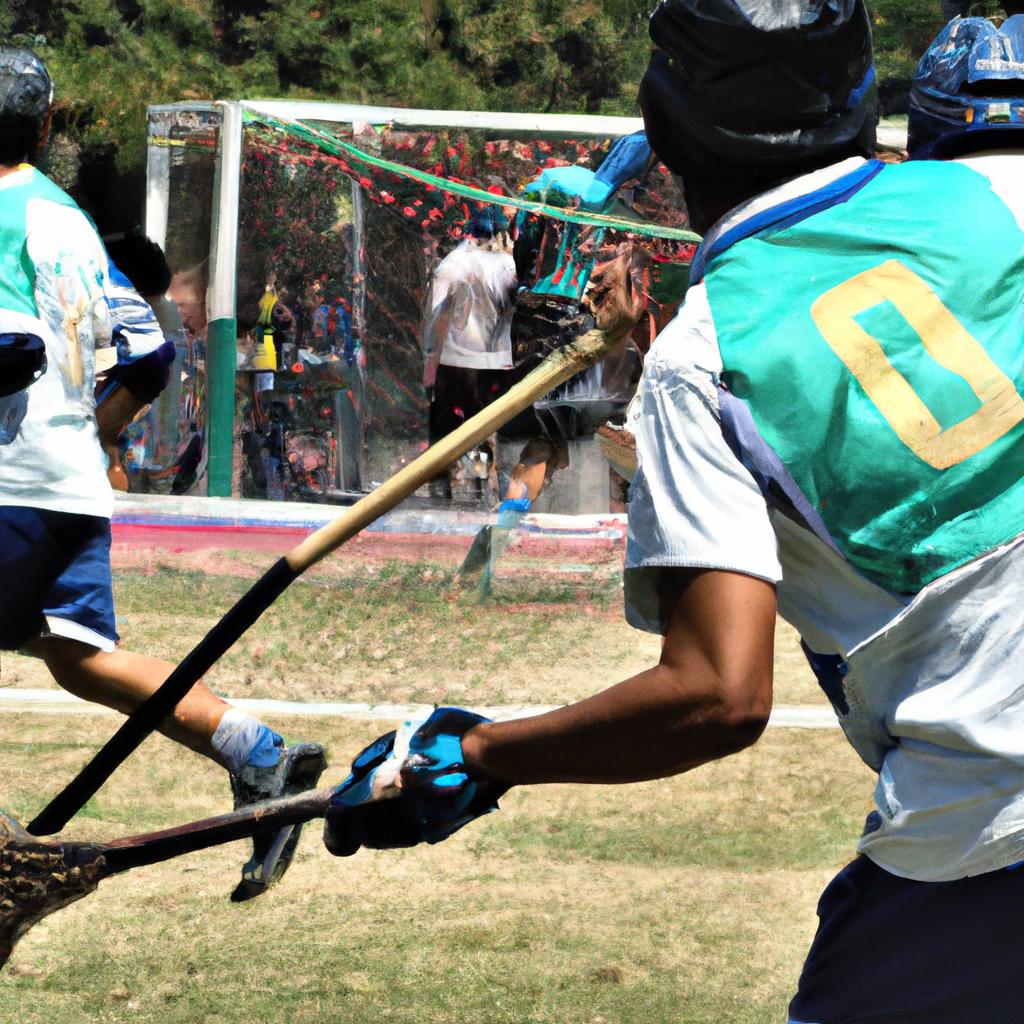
point(111, 58)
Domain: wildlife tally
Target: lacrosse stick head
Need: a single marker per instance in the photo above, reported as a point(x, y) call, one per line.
point(38, 877)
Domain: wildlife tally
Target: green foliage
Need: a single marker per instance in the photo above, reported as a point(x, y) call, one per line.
point(902, 30)
point(110, 58)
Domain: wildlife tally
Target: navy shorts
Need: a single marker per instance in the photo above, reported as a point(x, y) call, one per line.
point(55, 568)
point(892, 951)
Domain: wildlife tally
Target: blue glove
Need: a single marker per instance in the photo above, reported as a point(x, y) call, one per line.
point(408, 787)
point(515, 505)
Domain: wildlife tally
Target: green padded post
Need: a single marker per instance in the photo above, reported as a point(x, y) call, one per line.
point(220, 392)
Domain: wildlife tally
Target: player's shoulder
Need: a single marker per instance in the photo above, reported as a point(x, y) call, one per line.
point(958, 187)
point(25, 193)
point(452, 267)
point(1003, 173)
point(56, 226)
point(46, 188)
point(28, 186)
point(45, 213)
point(689, 344)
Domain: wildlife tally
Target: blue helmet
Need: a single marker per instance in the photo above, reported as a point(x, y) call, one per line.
point(968, 92)
point(486, 222)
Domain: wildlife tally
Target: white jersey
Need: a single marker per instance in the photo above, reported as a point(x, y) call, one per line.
point(56, 288)
point(55, 284)
point(470, 309)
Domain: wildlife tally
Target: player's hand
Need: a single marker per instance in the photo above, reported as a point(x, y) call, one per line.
point(408, 787)
point(613, 295)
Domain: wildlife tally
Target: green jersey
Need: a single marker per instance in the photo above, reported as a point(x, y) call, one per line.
point(852, 358)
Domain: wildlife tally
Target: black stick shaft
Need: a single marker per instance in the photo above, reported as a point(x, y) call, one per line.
point(148, 716)
point(153, 847)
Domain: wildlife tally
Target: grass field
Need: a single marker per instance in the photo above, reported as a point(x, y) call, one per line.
point(398, 632)
point(684, 900)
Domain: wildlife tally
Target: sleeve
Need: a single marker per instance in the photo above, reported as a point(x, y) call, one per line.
point(136, 331)
point(692, 504)
point(627, 159)
point(144, 356)
point(70, 281)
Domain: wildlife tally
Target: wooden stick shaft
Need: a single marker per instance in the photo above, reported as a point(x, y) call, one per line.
point(556, 368)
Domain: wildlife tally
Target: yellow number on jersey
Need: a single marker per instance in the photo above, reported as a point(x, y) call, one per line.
point(947, 342)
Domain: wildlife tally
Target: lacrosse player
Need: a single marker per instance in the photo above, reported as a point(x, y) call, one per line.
point(58, 307)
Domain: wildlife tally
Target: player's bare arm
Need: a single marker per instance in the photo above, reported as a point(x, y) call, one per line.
point(709, 696)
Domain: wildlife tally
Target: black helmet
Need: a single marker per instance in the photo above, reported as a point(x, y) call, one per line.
point(26, 93)
point(968, 91)
point(776, 85)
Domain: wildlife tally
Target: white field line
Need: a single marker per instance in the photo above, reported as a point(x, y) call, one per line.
point(58, 702)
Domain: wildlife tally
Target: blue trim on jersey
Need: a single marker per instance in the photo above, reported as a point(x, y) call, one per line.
point(785, 215)
point(137, 333)
point(779, 488)
point(858, 94)
point(117, 277)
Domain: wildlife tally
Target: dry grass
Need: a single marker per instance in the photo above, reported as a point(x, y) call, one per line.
point(385, 632)
point(685, 900)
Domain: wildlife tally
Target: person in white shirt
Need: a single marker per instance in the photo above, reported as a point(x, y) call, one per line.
point(466, 337)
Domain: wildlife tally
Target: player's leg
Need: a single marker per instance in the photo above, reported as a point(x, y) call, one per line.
point(122, 680)
point(444, 415)
point(70, 624)
point(77, 639)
